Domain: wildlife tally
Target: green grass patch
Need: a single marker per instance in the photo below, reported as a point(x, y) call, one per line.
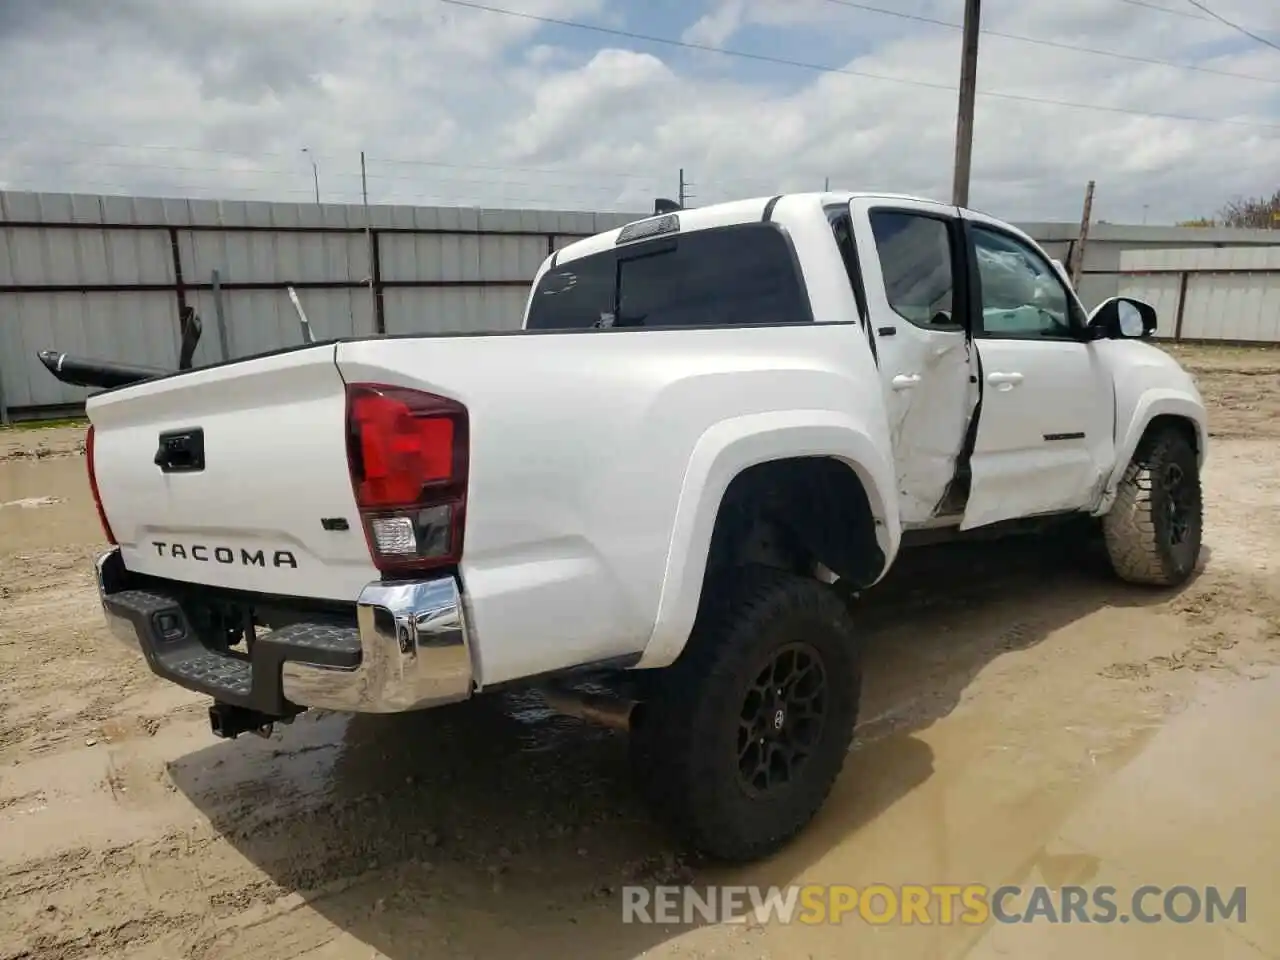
point(47, 424)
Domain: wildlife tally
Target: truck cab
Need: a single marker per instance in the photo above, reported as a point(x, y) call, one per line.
point(970, 327)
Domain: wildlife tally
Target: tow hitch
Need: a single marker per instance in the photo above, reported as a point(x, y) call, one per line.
point(229, 721)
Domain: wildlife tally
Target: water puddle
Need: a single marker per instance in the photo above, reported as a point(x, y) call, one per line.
point(45, 503)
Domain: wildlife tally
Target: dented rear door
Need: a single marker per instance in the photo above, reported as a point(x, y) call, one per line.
point(912, 259)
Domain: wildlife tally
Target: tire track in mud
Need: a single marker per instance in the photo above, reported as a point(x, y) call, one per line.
point(61, 685)
point(121, 898)
point(196, 884)
point(84, 902)
point(117, 938)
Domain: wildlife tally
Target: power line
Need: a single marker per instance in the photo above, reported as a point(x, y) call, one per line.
point(1175, 13)
point(127, 189)
point(184, 191)
point(564, 171)
point(26, 138)
point(232, 182)
point(329, 174)
point(1234, 26)
point(845, 71)
point(1188, 15)
point(1039, 42)
point(22, 168)
point(481, 166)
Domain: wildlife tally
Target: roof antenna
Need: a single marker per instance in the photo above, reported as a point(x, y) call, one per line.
point(663, 205)
point(307, 335)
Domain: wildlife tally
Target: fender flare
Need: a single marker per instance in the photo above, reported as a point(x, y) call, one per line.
point(722, 452)
point(1157, 403)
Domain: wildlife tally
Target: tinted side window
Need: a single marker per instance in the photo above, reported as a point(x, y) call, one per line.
point(727, 276)
point(1022, 295)
point(577, 294)
point(741, 276)
point(842, 231)
point(915, 258)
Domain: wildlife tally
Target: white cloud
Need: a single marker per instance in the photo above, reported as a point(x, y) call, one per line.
point(478, 108)
point(717, 25)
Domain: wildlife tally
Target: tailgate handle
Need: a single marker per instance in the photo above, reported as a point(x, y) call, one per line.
point(181, 451)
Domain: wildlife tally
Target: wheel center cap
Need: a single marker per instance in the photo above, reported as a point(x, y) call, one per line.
point(779, 719)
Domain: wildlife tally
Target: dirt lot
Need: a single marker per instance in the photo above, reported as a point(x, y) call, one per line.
point(1006, 686)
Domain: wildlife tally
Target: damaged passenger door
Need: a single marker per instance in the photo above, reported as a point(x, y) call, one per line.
point(912, 256)
point(1045, 438)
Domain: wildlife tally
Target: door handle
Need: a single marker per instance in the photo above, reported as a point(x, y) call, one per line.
point(905, 381)
point(1004, 381)
point(181, 451)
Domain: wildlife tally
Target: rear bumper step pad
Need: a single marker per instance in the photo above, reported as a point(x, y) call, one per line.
point(408, 649)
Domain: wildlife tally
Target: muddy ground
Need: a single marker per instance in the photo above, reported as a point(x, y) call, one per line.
point(1005, 686)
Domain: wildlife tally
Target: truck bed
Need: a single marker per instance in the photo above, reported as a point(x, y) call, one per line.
point(581, 447)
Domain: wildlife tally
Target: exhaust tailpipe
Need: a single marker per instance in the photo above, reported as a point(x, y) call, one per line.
point(607, 711)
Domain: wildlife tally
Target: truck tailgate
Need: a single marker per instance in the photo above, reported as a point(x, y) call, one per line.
point(271, 509)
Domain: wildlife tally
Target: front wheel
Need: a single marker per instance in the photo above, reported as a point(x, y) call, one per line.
point(746, 733)
point(1153, 529)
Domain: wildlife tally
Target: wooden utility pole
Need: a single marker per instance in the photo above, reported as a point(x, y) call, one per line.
point(968, 91)
point(1077, 251)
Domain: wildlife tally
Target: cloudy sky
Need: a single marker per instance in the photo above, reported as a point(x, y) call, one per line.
point(457, 105)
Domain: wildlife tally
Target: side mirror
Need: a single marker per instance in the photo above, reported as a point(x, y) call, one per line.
point(1122, 318)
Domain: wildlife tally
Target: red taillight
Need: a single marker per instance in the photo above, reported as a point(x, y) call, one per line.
point(407, 451)
point(93, 485)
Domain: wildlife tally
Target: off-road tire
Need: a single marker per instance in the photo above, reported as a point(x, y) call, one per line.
point(1140, 530)
point(686, 745)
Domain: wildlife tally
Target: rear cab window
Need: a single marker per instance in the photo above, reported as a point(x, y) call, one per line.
point(740, 275)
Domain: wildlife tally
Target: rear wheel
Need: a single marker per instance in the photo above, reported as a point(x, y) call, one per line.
point(1153, 529)
point(746, 733)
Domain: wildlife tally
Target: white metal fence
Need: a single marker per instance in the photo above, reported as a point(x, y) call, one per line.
point(1230, 294)
point(106, 277)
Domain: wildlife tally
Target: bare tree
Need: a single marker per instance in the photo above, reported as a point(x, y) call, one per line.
point(1256, 213)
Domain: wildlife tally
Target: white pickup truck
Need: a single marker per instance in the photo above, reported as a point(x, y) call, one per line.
point(712, 421)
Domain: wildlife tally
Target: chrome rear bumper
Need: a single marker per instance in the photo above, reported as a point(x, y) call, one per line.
point(409, 648)
point(414, 653)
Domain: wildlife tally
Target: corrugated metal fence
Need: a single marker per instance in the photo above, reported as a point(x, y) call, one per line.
point(106, 277)
point(1207, 284)
point(1208, 294)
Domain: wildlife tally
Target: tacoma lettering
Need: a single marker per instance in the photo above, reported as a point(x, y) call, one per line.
point(225, 555)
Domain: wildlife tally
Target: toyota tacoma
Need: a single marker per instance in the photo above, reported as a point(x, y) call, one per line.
point(714, 425)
